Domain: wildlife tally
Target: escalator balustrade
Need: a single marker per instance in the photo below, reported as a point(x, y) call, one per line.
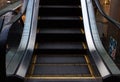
point(61, 52)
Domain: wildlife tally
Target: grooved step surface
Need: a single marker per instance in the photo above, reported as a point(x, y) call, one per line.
point(60, 18)
point(60, 60)
point(60, 51)
point(59, 69)
point(60, 30)
point(60, 45)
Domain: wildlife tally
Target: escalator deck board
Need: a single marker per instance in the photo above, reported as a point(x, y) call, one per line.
point(61, 70)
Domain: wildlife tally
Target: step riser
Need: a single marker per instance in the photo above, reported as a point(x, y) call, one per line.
point(59, 2)
point(60, 37)
point(58, 27)
point(57, 59)
point(60, 23)
point(60, 12)
point(60, 51)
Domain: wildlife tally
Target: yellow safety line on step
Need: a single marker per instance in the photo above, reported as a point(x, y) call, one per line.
point(61, 64)
point(82, 31)
point(32, 69)
point(33, 64)
point(38, 30)
point(84, 45)
point(64, 75)
point(81, 18)
point(48, 78)
point(34, 59)
point(89, 66)
point(36, 45)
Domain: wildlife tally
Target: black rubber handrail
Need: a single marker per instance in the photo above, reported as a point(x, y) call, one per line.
point(98, 5)
point(7, 11)
point(1, 23)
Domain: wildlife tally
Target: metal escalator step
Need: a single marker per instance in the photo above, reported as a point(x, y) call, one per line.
point(60, 51)
point(60, 37)
point(61, 70)
point(59, 6)
point(59, 2)
point(43, 11)
point(43, 23)
point(60, 30)
point(60, 60)
point(60, 18)
point(60, 45)
point(60, 34)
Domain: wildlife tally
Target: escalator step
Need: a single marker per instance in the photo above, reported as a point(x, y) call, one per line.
point(60, 51)
point(61, 70)
point(59, 2)
point(53, 11)
point(43, 37)
point(60, 17)
point(60, 45)
point(60, 30)
point(60, 59)
point(43, 23)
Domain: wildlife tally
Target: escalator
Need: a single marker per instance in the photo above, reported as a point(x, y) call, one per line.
point(61, 53)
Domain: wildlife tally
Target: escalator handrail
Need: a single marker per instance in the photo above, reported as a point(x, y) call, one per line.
point(32, 37)
point(3, 13)
point(98, 5)
point(1, 23)
point(92, 35)
point(19, 70)
point(3, 41)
